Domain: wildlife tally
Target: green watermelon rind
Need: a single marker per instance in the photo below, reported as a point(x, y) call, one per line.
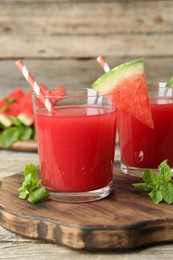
point(108, 81)
point(169, 83)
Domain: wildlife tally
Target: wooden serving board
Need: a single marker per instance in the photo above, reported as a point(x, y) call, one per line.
point(125, 220)
point(24, 146)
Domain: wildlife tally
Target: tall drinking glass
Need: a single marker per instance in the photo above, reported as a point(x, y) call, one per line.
point(76, 144)
point(142, 147)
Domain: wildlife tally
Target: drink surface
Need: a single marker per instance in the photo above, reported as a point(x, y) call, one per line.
point(76, 147)
point(144, 147)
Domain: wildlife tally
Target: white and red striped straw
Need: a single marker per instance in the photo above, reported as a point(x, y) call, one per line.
point(103, 64)
point(27, 75)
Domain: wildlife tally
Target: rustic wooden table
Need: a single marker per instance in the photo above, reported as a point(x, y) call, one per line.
point(13, 246)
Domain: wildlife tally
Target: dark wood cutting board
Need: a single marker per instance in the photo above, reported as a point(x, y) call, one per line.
point(125, 220)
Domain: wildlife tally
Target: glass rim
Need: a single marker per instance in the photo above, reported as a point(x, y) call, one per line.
point(159, 91)
point(73, 93)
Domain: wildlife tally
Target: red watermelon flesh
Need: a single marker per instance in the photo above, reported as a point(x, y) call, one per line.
point(22, 103)
point(26, 117)
point(43, 87)
point(126, 86)
point(21, 107)
point(13, 109)
point(26, 114)
point(25, 102)
point(57, 94)
point(137, 103)
point(16, 95)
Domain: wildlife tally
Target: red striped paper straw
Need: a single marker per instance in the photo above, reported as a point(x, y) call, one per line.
point(103, 63)
point(27, 75)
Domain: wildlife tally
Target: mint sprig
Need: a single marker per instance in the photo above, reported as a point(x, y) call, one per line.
point(16, 133)
point(31, 189)
point(158, 186)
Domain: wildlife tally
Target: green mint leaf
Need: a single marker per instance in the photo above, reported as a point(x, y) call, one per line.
point(10, 100)
point(158, 186)
point(31, 180)
point(27, 183)
point(23, 194)
point(30, 189)
point(4, 108)
point(150, 178)
point(30, 183)
point(9, 136)
point(142, 186)
point(165, 171)
point(38, 195)
point(2, 126)
point(15, 121)
point(25, 133)
point(167, 193)
point(30, 169)
point(34, 133)
point(156, 196)
point(15, 133)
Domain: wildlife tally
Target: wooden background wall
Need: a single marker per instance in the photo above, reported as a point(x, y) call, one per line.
point(60, 40)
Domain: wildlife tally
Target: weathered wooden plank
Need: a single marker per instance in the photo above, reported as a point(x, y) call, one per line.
point(72, 1)
point(74, 73)
point(42, 251)
point(66, 29)
point(118, 17)
point(85, 46)
point(12, 162)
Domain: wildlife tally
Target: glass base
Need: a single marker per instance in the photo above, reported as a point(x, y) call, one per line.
point(134, 171)
point(79, 197)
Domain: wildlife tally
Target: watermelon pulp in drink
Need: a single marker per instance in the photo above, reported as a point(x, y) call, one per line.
point(76, 147)
point(141, 146)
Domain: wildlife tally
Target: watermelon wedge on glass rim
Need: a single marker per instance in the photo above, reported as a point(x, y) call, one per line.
point(169, 83)
point(126, 86)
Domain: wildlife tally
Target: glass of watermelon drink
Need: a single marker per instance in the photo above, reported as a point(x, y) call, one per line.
point(76, 144)
point(142, 147)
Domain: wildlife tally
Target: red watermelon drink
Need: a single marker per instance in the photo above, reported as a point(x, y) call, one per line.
point(126, 85)
point(76, 145)
point(142, 147)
